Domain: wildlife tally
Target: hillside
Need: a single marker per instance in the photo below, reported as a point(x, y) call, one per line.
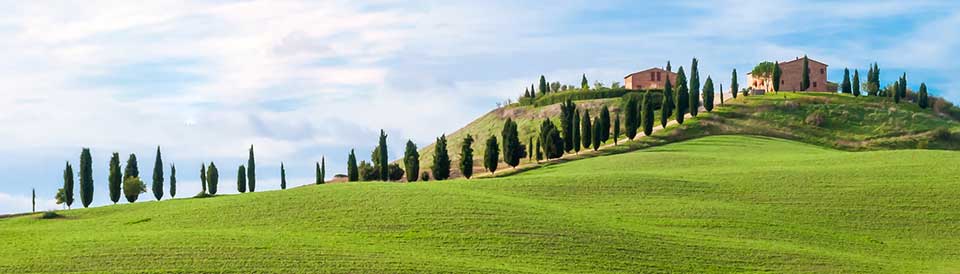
point(836, 120)
point(715, 204)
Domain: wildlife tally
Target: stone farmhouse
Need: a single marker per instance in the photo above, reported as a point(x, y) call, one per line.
point(792, 77)
point(654, 78)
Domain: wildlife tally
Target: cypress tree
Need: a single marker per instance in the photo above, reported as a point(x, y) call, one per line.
point(777, 74)
point(648, 113)
point(526, 93)
point(33, 201)
point(923, 99)
point(576, 132)
point(157, 185)
point(845, 85)
point(490, 155)
point(721, 94)
point(584, 85)
point(870, 73)
point(708, 94)
point(694, 97)
point(903, 86)
point(353, 174)
point(876, 78)
point(805, 76)
point(68, 184)
point(251, 171)
point(131, 170)
point(173, 181)
point(616, 128)
point(539, 152)
point(604, 124)
point(596, 133)
point(682, 94)
point(856, 83)
point(543, 86)
point(512, 148)
point(668, 66)
point(115, 179)
point(283, 177)
point(733, 84)
point(550, 137)
point(530, 154)
point(203, 177)
point(213, 177)
point(411, 161)
point(666, 107)
point(86, 177)
point(466, 157)
point(384, 169)
point(586, 130)
point(441, 161)
point(896, 90)
point(241, 179)
point(323, 169)
point(567, 110)
point(632, 118)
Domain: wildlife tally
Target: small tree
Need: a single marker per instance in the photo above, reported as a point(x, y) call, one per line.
point(666, 106)
point(425, 176)
point(586, 130)
point(648, 113)
point(733, 84)
point(552, 142)
point(845, 85)
point(173, 181)
point(203, 177)
point(323, 169)
point(694, 96)
point(132, 188)
point(708, 94)
point(577, 126)
point(923, 99)
point(384, 170)
point(33, 200)
point(491, 154)
point(157, 185)
point(68, 185)
point(317, 174)
point(856, 83)
point(466, 157)
point(251, 171)
point(86, 177)
point(61, 197)
point(353, 174)
point(543, 86)
point(411, 161)
point(631, 116)
point(616, 128)
point(283, 177)
point(604, 124)
point(567, 111)
point(441, 161)
point(596, 134)
point(539, 152)
point(115, 180)
point(805, 75)
point(513, 150)
point(241, 179)
point(668, 66)
point(213, 177)
point(131, 170)
point(682, 94)
point(777, 74)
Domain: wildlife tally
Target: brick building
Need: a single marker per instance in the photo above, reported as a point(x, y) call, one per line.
point(654, 78)
point(792, 76)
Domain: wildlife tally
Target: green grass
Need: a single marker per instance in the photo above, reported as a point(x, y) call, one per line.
point(716, 204)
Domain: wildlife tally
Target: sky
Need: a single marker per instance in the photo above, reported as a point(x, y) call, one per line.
point(305, 80)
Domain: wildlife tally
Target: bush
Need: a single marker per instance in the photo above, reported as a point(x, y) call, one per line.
point(50, 215)
point(132, 188)
point(561, 97)
point(941, 134)
point(395, 172)
point(203, 195)
point(815, 119)
point(425, 176)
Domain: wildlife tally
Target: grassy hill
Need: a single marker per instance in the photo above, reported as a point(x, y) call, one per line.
point(715, 204)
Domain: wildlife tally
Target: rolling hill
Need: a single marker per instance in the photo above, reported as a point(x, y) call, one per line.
point(713, 204)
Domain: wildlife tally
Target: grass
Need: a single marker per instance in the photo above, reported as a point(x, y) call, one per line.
point(715, 204)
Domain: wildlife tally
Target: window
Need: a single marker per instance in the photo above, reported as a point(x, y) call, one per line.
point(782, 82)
point(658, 76)
point(814, 84)
point(821, 71)
point(651, 75)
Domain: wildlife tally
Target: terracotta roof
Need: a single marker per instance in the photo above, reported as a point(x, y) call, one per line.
point(670, 73)
point(801, 60)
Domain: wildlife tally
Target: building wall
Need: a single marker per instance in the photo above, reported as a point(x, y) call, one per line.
point(792, 76)
point(648, 79)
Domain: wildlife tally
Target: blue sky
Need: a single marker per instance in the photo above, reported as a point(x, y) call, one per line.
point(303, 80)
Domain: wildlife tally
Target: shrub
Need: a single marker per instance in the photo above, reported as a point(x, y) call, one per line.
point(203, 195)
point(425, 176)
point(941, 134)
point(395, 172)
point(815, 119)
point(132, 188)
point(50, 215)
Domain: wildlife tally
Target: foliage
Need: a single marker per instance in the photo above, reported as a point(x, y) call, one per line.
point(213, 178)
point(383, 157)
point(115, 180)
point(586, 130)
point(648, 114)
point(708, 94)
point(733, 83)
point(584, 84)
point(616, 129)
point(923, 99)
point(551, 140)
point(251, 171)
point(604, 124)
point(411, 161)
point(466, 157)
point(805, 75)
point(683, 102)
point(666, 107)
point(241, 179)
point(777, 75)
point(856, 83)
point(764, 69)
point(368, 172)
point(576, 132)
point(513, 150)
point(424, 176)
point(132, 188)
point(597, 132)
point(203, 177)
point(845, 85)
point(131, 169)
point(491, 154)
point(694, 95)
point(173, 181)
point(50, 215)
point(157, 183)
point(61, 196)
point(353, 173)
point(283, 177)
point(395, 172)
point(441, 160)
point(567, 110)
point(631, 117)
point(68, 184)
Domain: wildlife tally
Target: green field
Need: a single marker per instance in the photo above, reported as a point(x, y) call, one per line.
point(715, 204)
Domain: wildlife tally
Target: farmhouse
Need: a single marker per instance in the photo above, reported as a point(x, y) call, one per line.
point(654, 78)
point(792, 77)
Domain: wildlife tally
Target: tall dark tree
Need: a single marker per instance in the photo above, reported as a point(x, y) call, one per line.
point(68, 185)
point(543, 86)
point(513, 150)
point(694, 97)
point(116, 178)
point(923, 99)
point(203, 177)
point(317, 174)
point(241, 179)
point(131, 170)
point(33, 200)
point(551, 140)
point(777, 74)
point(876, 78)
point(733, 84)
point(648, 113)
point(491, 154)
point(539, 151)
point(604, 124)
point(683, 103)
point(586, 130)
point(213, 178)
point(666, 106)
point(576, 132)
point(173, 181)
point(353, 174)
point(616, 128)
point(411, 161)
point(441, 160)
point(384, 170)
point(856, 83)
point(896, 90)
point(251, 171)
point(466, 157)
point(708, 94)
point(283, 176)
point(86, 177)
point(903, 86)
point(631, 117)
point(668, 66)
point(157, 185)
point(845, 85)
point(721, 94)
point(323, 169)
point(567, 111)
point(805, 75)
point(584, 85)
point(530, 150)
point(596, 134)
